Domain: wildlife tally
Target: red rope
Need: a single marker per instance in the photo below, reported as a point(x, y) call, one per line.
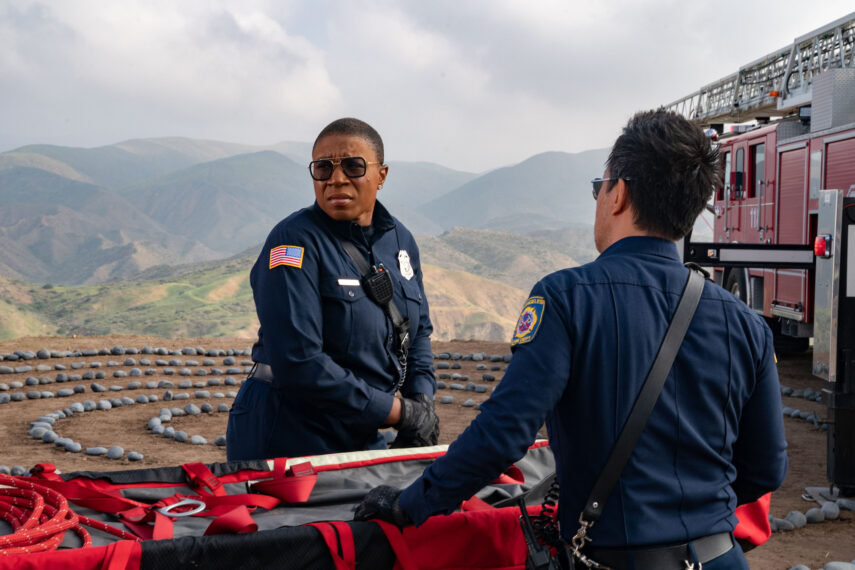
point(40, 516)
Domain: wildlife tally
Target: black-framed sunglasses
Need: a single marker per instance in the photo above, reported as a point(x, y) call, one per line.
point(598, 184)
point(352, 166)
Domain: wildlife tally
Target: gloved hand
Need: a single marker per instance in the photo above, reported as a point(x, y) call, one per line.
point(382, 503)
point(419, 425)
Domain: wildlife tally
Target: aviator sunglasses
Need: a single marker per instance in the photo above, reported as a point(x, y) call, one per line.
point(352, 166)
point(598, 184)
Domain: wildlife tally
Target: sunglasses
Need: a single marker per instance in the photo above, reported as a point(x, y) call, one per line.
point(598, 184)
point(352, 166)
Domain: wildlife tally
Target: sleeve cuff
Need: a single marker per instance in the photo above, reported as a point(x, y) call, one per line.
point(379, 406)
point(413, 503)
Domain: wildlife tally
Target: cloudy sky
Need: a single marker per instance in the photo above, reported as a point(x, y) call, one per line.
point(469, 84)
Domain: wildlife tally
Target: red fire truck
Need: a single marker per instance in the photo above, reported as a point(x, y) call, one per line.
point(784, 232)
point(774, 169)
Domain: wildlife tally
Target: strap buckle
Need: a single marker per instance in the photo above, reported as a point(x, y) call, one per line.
point(578, 542)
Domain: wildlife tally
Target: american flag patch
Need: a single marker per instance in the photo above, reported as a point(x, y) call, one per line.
point(286, 255)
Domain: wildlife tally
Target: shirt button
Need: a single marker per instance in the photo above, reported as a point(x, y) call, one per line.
point(350, 293)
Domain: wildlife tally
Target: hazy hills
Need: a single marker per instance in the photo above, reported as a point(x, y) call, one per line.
point(157, 236)
point(76, 216)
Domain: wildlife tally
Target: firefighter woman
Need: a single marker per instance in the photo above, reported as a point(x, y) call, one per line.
point(332, 349)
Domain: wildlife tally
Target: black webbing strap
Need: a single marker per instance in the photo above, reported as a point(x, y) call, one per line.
point(646, 399)
point(365, 268)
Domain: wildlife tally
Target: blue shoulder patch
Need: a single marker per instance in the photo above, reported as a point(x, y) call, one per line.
point(529, 321)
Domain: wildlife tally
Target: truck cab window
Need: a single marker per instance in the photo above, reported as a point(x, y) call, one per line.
point(738, 175)
point(725, 184)
point(757, 156)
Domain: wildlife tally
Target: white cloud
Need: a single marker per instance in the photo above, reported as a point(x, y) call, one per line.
point(472, 85)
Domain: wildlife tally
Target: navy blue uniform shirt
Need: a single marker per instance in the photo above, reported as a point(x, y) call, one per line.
point(330, 346)
point(588, 338)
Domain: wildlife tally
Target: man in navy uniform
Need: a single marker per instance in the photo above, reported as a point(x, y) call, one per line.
point(582, 347)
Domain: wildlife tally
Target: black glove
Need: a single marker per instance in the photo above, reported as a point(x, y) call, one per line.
point(419, 426)
point(382, 503)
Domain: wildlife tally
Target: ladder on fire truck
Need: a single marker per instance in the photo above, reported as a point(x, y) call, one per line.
point(775, 84)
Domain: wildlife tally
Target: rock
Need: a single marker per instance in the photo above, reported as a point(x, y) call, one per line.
point(17, 397)
point(152, 397)
point(115, 452)
point(158, 430)
point(45, 380)
point(198, 440)
point(23, 369)
point(440, 385)
point(65, 392)
point(116, 402)
point(797, 393)
point(77, 407)
point(151, 385)
point(73, 447)
point(96, 451)
point(228, 361)
point(17, 471)
point(135, 456)
point(218, 395)
point(192, 409)
point(220, 440)
point(145, 362)
point(202, 394)
point(200, 384)
point(116, 388)
point(37, 432)
point(131, 351)
point(229, 381)
point(814, 515)
point(15, 384)
point(181, 396)
point(34, 395)
point(207, 408)
point(104, 405)
point(168, 371)
point(165, 384)
point(214, 382)
point(96, 387)
point(808, 394)
point(142, 399)
point(61, 377)
point(446, 400)
point(839, 566)
point(480, 389)
point(797, 518)
point(181, 436)
point(846, 504)
point(135, 372)
point(6, 370)
point(469, 403)
point(192, 363)
point(782, 524)
point(184, 372)
point(100, 375)
point(49, 437)
point(177, 412)
point(5, 398)
point(201, 372)
point(795, 413)
point(456, 365)
point(43, 368)
point(120, 374)
point(800, 567)
point(89, 405)
point(443, 365)
point(134, 385)
point(4, 387)
point(147, 350)
point(43, 354)
point(126, 401)
point(488, 378)
point(480, 367)
point(222, 407)
point(234, 370)
point(129, 362)
point(117, 350)
point(150, 372)
point(456, 386)
point(208, 362)
point(831, 511)
point(169, 432)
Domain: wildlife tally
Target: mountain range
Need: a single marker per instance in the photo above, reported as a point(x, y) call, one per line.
point(88, 215)
point(157, 236)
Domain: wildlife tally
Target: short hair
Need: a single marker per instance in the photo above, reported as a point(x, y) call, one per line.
point(349, 126)
point(671, 167)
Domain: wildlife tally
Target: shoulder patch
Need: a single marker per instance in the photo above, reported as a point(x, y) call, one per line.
point(529, 321)
point(291, 255)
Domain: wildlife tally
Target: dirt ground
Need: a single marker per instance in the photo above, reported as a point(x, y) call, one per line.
point(813, 545)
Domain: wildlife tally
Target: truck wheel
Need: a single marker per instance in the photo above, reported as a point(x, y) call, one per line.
point(735, 283)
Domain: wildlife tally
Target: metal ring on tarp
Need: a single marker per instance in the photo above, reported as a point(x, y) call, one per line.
point(200, 506)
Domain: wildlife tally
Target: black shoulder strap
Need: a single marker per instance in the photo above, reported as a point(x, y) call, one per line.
point(646, 399)
point(365, 268)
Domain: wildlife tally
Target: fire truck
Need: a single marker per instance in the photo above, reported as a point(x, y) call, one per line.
point(784, 215)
